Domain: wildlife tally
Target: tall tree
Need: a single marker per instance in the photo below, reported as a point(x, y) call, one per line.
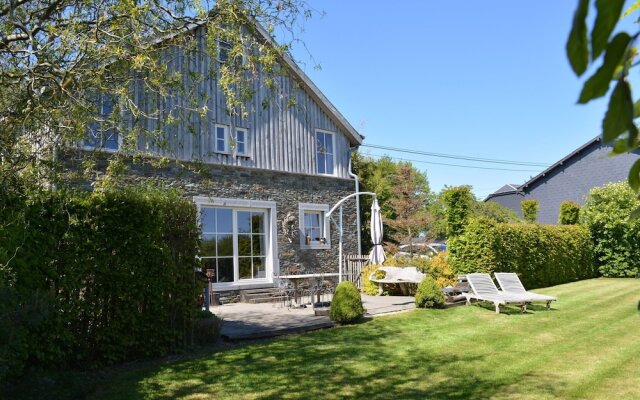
point(380, 176)
point(60, 60)
point(410, 198)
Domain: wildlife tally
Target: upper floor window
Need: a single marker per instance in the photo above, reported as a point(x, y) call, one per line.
point(102, 132)
point(242, 142)
point(222, 139)
point(325, 152)
point(224, 48)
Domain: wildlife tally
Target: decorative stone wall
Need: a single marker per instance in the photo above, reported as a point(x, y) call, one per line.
point(287, 190)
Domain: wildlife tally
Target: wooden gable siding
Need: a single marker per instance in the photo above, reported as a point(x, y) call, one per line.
point(281, 136)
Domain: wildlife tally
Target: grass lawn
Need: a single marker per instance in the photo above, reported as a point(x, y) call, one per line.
point(587, 346)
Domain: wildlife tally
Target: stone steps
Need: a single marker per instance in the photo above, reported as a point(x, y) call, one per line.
point(256, 296)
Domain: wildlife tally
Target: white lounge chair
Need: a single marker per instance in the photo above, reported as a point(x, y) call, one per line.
point(510, 283)
point(483, 289)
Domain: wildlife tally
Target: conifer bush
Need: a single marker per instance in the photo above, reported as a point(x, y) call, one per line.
point(346, 305)
point(569, 213)
point(530, 210)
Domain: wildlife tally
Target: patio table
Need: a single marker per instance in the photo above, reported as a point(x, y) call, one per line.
point(295, 279)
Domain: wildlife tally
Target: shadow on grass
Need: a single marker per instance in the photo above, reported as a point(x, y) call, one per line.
point(345, 362)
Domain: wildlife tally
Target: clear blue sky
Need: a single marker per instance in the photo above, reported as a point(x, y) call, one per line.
point(476, 78)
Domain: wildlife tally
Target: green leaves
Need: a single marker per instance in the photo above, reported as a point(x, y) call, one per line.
point(598, 84)
point(608, 15)
point(619, 116)
point(577, 46)
point(634, 176)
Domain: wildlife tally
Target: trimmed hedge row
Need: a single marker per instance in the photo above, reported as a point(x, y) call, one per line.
point(91, 279)
point(542, 255)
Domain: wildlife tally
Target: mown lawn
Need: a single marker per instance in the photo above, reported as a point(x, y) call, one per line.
point(588, 346)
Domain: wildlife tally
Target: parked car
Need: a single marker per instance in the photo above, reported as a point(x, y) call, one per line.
point(423, 250)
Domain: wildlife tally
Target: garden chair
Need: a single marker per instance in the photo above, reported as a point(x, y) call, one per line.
point(510, 283)
point(284, 292)
point(483, 289)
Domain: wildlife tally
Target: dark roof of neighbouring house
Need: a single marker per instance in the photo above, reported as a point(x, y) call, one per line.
point(510, 189)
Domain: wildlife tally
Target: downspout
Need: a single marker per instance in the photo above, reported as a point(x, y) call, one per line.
point(358, 224)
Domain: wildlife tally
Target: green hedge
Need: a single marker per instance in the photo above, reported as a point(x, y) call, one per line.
point(542, 255)
point(91, 279)
point(616, 235)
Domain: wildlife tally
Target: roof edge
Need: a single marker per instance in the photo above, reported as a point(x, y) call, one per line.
point(314, 91)
point(561, 162)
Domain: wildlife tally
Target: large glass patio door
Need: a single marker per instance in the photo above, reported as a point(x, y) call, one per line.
point(234, 243)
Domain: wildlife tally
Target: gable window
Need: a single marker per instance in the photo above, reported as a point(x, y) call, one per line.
point(101, 133)
point(221, 139)
point(242, 142)
point(224, 48)
point(325, 152)
point(314, 226)
point(237, 239)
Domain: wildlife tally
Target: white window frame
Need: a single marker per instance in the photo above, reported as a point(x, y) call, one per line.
point(333, 151)
point(323, 209)
point(247, 143)
point(271, 239)
point(220, 44)
point(226, 139)
point(86, 146)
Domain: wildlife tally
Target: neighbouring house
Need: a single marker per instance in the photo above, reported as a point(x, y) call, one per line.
point(571, 178)
point(262, 182)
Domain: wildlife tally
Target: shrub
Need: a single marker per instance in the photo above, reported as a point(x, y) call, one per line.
point(569, 213)
point(368, 287)
point(207, 327)
point(116, 266)
point(530, 210)
point(440, 270)
point(616, 236)
point(380, 274)
point(429, 294)
point(542, 255)
point(346, 305)
point(458, 201)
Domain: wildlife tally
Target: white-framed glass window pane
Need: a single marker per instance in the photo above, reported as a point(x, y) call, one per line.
point(216, 247)
point(234, 243)
point(102, 133)
point(242, 145)
point(221, 139)
point(325, 152)
point(313, 226)
point(223, 51)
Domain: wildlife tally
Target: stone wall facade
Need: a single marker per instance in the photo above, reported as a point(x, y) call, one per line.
point(287, 190)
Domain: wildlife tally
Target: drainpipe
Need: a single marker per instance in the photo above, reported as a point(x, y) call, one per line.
point(354, 176)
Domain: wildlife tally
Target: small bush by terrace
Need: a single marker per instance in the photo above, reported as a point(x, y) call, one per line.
point(92, 279)
point(346, 305)
point(543, 255)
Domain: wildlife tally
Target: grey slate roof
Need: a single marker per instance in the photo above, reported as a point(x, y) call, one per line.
point(510, 188)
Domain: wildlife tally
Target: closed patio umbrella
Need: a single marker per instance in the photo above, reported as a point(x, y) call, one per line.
point(377, 253)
